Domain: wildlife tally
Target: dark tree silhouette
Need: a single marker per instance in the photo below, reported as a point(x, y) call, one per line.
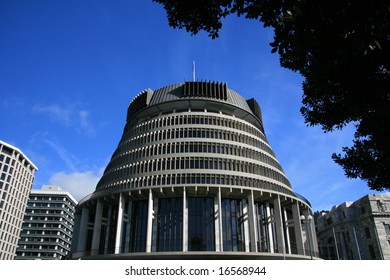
point(341, 48)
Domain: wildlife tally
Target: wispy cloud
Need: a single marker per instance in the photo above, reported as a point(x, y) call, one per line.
point(78, 184)
point(13, 103)
point(70, 115)
point(55, 112)
point(84, 123)
point(70, 160)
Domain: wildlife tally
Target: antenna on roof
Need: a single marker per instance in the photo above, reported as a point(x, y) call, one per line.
point(193, 70)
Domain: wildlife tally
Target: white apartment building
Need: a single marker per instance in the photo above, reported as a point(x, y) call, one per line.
point(48, 225)
point(16, 179)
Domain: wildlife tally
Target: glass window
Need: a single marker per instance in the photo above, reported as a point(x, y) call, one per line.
point(233, 225)
point(387, 229)
point(264, 224)
point(201, 228)
point(368, 233)
point(139, 219)
point(170, 224)
point(372, 252)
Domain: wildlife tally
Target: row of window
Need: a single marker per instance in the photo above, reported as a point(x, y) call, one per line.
point(28, 235)
point(16, 176)
point(7, 168)
point(19, 192)
point(10, 152)
point(45, 223)
point(199, 179)
point(168, 226)
point(11, 212)
point(41, 208)
point(51, 212)
point(46, 218)
point(10, 225)
point(163, 164)
point(41, 239)
point(46, 255)
point(192, 147)
point(9, 236)
point(20, 172)
point(5, 250)
point(49, 198)
point(15, 188)
point(11, 207)
point(348, 237)
point(211, 119)
point(38, 204)
point(59, 233)
point(190, 132)
point(42, 247)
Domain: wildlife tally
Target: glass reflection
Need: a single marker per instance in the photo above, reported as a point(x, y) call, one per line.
point(201, 236)
point(170, 224)
point(139, 219)
point(233, 225)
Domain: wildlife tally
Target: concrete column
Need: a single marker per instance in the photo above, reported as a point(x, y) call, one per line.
point(218, 222)
point(285, 223)
point(311, 235)
point(298, 228)
point(128, 226)
point(252, 223)
point(185, 221)
point(96, 228)
point(314, 235)
point(118, 236)
point(150, 223)
point(155, 223)
point(106, 222)
point(270, 221)
point(246, 225)
point(279, 226)
point(83, 229)
point(307, 241)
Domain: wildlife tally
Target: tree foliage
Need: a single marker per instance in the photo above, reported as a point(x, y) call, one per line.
point(340, 47)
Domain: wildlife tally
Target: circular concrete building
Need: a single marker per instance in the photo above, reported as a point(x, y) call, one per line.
point(193, 177)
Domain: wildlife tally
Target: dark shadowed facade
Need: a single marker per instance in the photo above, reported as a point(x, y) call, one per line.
point(358, 230)
point(193, 177)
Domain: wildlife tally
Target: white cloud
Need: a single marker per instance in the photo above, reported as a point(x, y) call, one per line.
point(69, 115)
point(70, 160)
point(78, 184)
point(55, 112)
point(84, 123)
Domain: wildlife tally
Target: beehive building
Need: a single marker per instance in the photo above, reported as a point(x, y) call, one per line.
point(193, 176)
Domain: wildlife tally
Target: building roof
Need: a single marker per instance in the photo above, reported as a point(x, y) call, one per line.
point(53, 190)
point(20, 152)
point(212, 90)
point(216, 91)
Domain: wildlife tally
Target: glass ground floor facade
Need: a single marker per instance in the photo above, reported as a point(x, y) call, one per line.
point(191, 220)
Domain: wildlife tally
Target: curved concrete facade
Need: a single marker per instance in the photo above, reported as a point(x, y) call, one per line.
point(193, 177)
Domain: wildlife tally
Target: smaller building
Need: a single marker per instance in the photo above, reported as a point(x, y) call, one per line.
point(16, 179)
point(355, 230)
point(48, 225)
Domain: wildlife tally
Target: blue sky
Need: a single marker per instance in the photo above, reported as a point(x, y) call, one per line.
point(68, 70)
